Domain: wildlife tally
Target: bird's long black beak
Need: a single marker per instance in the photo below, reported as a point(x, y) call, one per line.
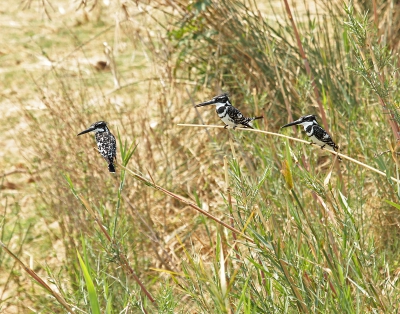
point(291, 123)
point(87, 130)
point(206, 103)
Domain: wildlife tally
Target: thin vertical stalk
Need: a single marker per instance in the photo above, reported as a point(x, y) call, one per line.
point(375, 13)
point(288, 107)
point(380, 75)
point(229, 196)
point(124, 263)
point(311, 76)
point(307, 66)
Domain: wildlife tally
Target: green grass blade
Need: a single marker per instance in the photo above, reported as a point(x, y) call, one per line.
point(94, 303)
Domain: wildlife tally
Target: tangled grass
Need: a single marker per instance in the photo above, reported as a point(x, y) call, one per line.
point(202, 220)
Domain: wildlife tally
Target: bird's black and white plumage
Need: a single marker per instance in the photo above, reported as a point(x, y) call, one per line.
point(106, 143)
point(315, 132)
point(229, 114)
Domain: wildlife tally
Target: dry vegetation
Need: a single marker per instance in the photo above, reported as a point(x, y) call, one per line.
point(310, 245)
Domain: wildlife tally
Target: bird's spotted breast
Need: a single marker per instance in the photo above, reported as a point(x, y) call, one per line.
point(106, 145)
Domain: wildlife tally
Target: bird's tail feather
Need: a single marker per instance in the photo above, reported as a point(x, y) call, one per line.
point(111, 167)
point(334, 149)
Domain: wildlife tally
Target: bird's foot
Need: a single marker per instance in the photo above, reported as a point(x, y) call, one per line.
point(226, 126)
point(322, 147)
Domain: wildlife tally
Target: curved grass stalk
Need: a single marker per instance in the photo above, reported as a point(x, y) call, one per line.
point(297, 140)
point(184, 200)
point(123, 260)
point(39, 280)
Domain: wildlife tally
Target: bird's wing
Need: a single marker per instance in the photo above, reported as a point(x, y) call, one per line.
point(235, 113)
point(114, 144)
point(323, 136)
point(238, 117)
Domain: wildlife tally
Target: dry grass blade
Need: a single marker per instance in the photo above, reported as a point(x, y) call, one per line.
point(307, 65)
point(39, 280)
point(95, 217)
point(124, 263)
point(312, 79)
point(301, 305)
point(183, 200)
point(229, 196)
point(269, 243)
point(297, 140)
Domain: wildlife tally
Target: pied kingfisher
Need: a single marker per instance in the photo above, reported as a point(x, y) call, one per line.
point(315, 132)
point(105, 142)
point(229, 114)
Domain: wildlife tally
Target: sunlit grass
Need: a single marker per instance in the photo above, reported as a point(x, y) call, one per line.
point(195, 220)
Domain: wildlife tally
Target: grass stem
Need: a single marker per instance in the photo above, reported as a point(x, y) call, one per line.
point(297, 140)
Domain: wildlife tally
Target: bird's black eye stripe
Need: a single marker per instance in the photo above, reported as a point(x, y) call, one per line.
point(221, 109)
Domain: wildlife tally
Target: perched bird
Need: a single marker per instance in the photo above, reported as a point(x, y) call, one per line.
point(105, 142)
point(315, 132)
point(229, 114)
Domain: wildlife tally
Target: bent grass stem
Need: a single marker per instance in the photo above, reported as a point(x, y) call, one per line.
point(297, 140)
